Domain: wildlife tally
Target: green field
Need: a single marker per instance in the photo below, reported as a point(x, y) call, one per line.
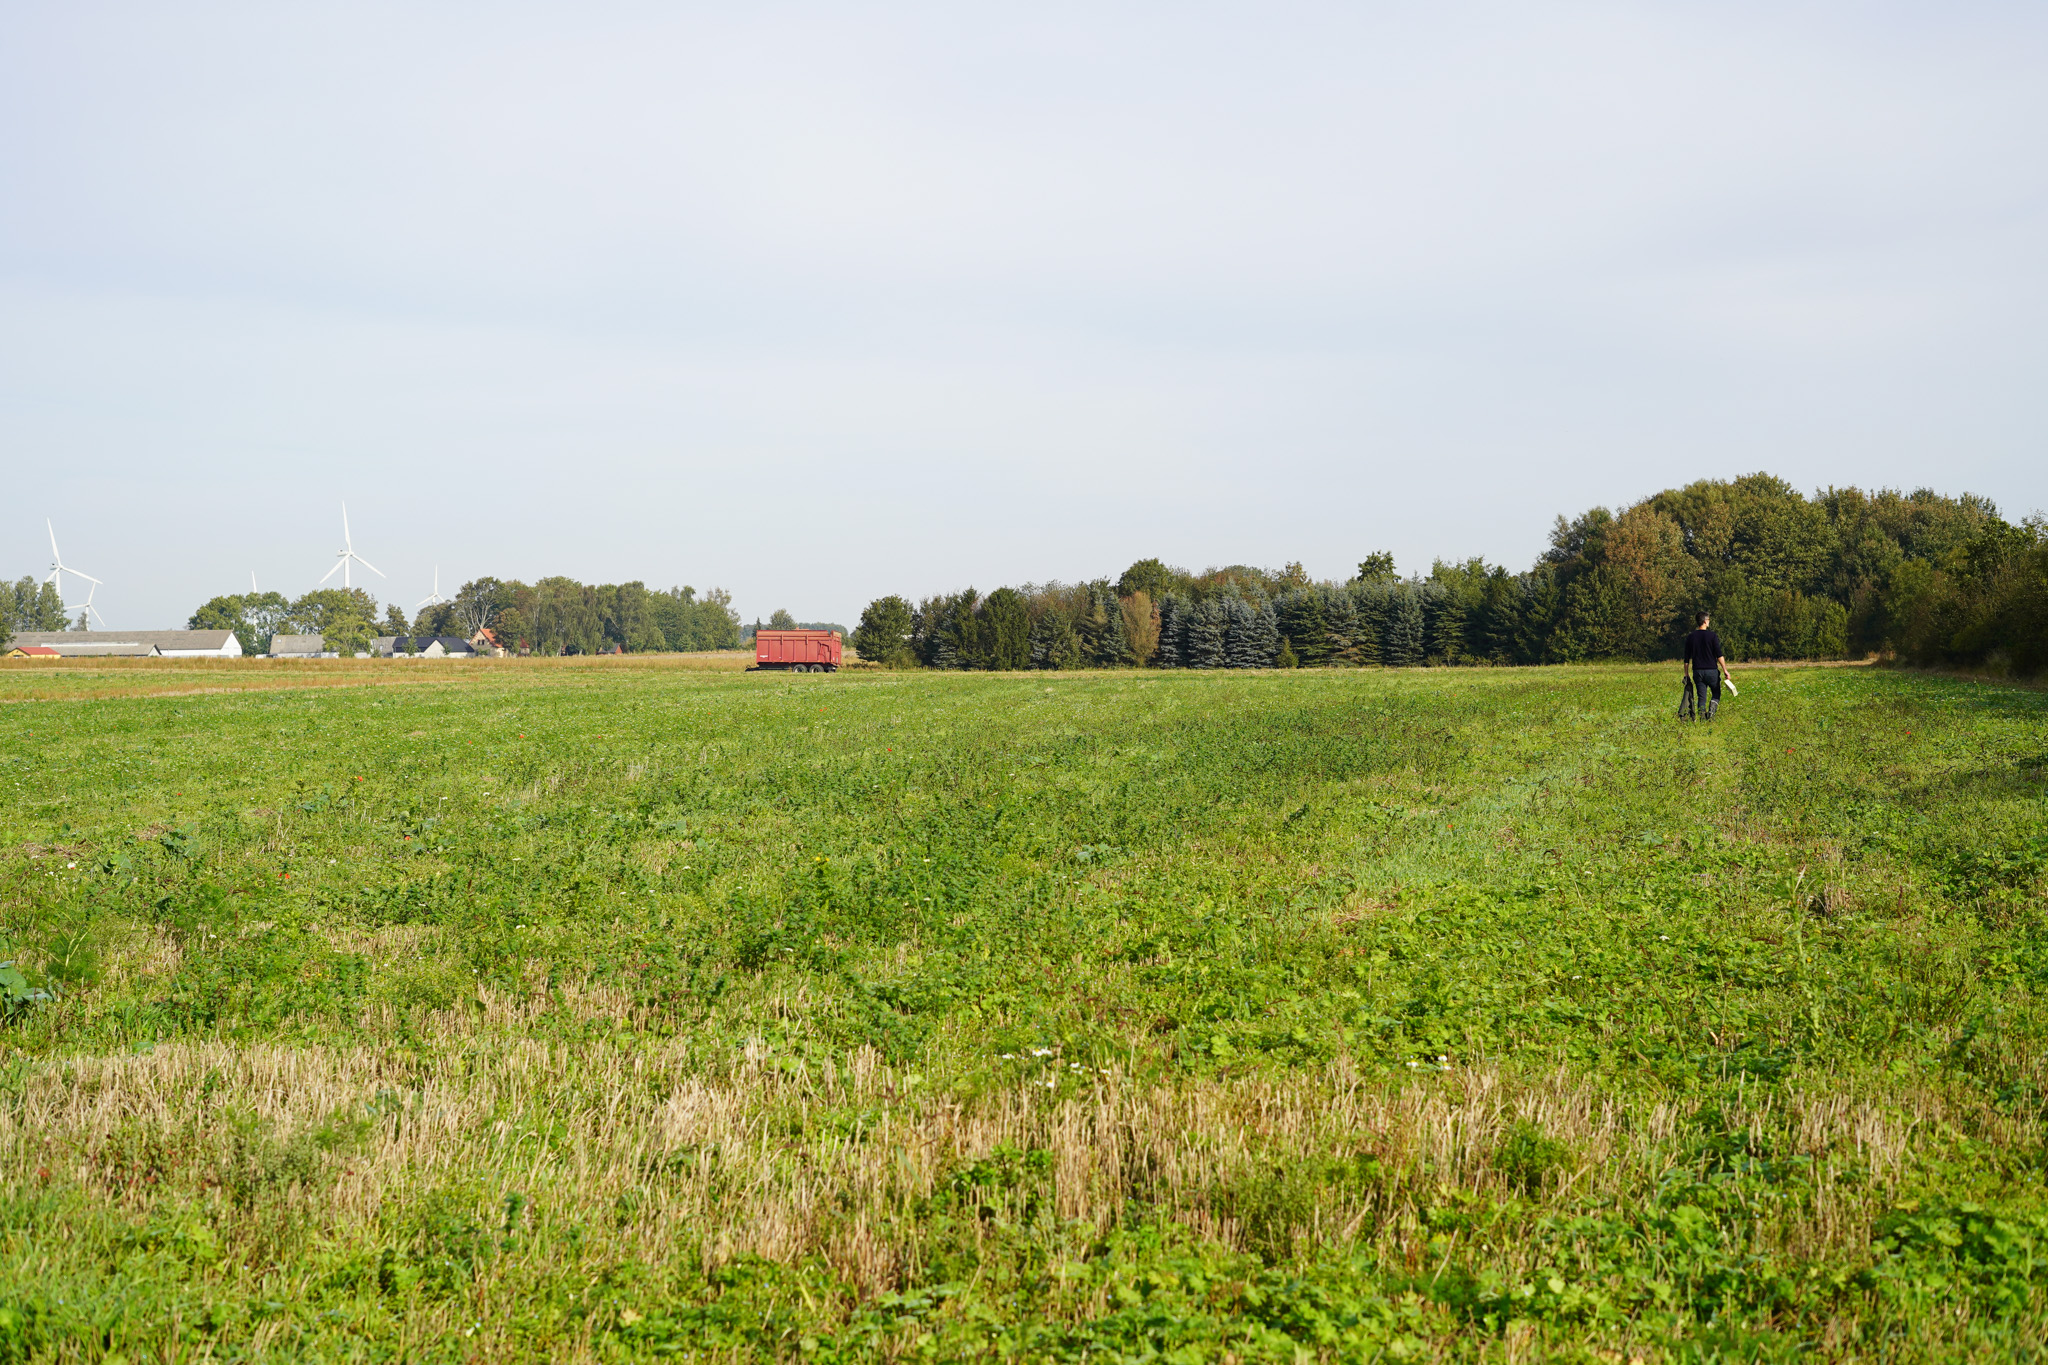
point(549, 1013)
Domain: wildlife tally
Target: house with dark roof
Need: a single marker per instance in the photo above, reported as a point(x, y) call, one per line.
point(423, 646)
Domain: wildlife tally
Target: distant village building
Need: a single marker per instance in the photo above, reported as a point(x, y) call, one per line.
point(168, 644)
point(32, 652)
point(299, 647)
point(485, 641)
point(423, 646)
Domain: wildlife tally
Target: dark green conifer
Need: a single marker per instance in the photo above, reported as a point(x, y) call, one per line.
point(1444, 616)
point(1005, 631)
point(1375, 606)
point(1053, 641)
point(1202, 645)
point(1112, 649)
point(1251, 637)
point(1405, 643)
point(1341, 628)
point(1172, 632)
point(1305, 625)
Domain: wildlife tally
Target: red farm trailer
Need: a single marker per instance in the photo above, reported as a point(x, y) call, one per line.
point(797, 651)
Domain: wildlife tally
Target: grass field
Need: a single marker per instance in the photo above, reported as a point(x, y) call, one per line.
point(599, 1012)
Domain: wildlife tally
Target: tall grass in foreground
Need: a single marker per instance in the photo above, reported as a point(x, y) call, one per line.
point(610, 1015)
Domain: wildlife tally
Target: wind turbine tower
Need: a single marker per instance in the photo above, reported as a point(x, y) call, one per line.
point(347, 555)
point(58, 569)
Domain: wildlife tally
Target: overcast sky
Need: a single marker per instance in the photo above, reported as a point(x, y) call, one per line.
point(818, 303)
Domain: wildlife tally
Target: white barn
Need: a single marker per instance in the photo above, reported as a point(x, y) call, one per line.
point(169, 644)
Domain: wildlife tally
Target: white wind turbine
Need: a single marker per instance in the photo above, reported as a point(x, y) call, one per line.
point(434, 599)
point(347, 555)
point(58, 568)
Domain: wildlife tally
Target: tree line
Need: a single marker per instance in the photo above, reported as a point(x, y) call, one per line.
point(30, 605)
point(554, 615)
point(1922, 576)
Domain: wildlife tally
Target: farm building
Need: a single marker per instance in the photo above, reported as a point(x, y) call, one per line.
point(32, 652)
point(169, 644)
point(299, 647)
point(423, 646)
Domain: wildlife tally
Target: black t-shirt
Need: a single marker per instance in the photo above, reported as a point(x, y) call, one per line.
point(1703, 649)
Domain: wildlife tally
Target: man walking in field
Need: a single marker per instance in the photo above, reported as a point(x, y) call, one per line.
point(1704, 667)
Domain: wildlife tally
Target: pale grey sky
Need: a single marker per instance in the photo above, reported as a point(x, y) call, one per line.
point(823, 302)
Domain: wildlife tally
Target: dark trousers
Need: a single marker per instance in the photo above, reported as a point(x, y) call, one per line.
point(1703, 693)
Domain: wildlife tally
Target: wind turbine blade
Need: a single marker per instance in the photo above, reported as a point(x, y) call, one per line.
point(330, 573)
point(86, 576)
point(95, 611)
point(344, 528)
point(367, 564)
point(53, 540)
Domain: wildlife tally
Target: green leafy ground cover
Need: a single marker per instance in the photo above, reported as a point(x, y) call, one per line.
point(1333, 1015)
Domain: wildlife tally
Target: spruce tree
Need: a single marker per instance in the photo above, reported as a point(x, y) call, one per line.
point(1112, 648)
point(952, 631)
point(1251, 637)
point(35, 606)
point(1499, 617)
point(1340, 630)
point(1265, 641)
point(1204, 640)
point(1405, 642)
point(1005, 631)
point(925, 624)
point(1305, 625)
point(1089, 627)
point(883, 634)
point(1236, 631)
point(1375, 606)
point(970, 647)
point(1540, 602)
point(1053, 641)
point(1172, 632)
point(1445, 618)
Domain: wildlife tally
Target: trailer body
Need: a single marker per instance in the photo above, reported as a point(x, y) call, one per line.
point(798, 651)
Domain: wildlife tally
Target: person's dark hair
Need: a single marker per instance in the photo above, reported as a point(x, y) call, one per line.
point(1703, 619)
